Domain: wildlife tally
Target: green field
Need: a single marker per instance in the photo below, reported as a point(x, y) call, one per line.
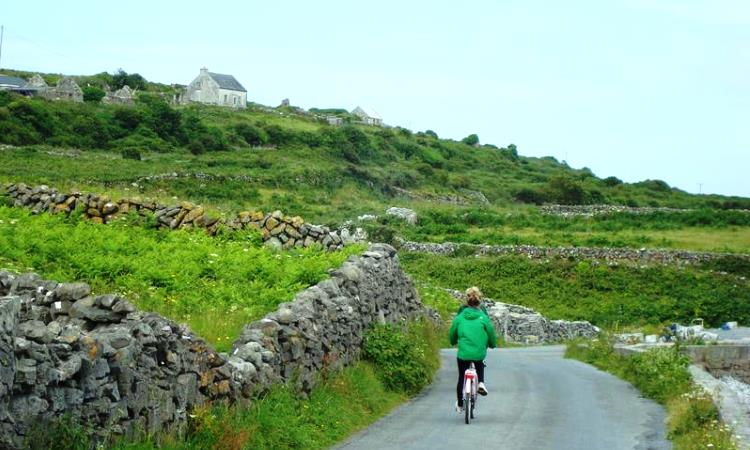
point(215, 285)
point(608, 296)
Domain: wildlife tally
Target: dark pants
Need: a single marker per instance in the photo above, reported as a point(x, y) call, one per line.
point(462, 367)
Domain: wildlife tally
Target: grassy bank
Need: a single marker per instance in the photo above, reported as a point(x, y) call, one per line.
point(338, 406)
point(662, 375)
point(215, 285)
point(608, 296)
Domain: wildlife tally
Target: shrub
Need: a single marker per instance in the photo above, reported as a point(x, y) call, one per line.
point(404, 356)
point(278, 135)
point(612, 181)
point(131, 153)
point(61, 434)
point(471, 139)
point(251, 134)
point(529, 195)
point(93, 94)
point(565, 190)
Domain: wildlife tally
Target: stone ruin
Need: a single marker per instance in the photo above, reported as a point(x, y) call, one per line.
point(67, 351)
point(122, 96)
point(65, 90)
point(36, 81)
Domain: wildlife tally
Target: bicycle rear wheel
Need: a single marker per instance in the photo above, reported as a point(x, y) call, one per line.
point(467, 407)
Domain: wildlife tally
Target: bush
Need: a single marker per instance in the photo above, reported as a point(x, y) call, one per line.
point(565, 190)
point(93, 94)
point(612, 181)
point(278, 136)
point(404, 356)
point(61, 434)
point(131, 153)
point(528, 195)
point(471, 139)
point(251, 134)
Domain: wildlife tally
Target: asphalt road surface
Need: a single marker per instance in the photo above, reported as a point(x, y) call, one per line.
point(537, 400)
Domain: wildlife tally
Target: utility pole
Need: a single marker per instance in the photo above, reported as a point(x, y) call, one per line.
point(700, 188)
point(2, 31)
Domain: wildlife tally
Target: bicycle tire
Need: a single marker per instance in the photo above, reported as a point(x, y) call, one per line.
point(467, 407)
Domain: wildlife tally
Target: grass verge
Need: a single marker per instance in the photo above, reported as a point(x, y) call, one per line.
point(662, 375)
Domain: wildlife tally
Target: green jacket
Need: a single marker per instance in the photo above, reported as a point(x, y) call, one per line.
point(472, 330)
point(481, 307)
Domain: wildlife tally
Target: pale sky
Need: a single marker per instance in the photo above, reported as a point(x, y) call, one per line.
point(637, 89)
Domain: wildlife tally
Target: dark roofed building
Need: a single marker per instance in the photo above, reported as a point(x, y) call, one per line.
point(216, 89)
point(8, 82)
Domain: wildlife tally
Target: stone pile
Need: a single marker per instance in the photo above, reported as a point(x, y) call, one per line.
point(64, 351)
point(519, 324)
point(631, 255)
point(278, 230)
point(404, 214)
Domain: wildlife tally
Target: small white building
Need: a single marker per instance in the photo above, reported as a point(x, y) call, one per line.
point(216, 89)
point(368, 116)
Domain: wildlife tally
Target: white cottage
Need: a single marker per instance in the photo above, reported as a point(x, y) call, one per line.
point(367, 116)
point(217, 89)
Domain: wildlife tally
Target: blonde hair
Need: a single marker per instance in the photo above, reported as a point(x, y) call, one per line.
point(473, 292)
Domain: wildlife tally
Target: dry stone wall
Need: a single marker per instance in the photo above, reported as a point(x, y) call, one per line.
point(630, 255)
point(595, 210)
point(65, 351)
point(520, 324)
point(277, 229)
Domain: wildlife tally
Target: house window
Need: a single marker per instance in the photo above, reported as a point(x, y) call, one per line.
point(197, 84)
point(225, 99)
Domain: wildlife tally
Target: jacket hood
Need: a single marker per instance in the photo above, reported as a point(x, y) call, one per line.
point(472, 314)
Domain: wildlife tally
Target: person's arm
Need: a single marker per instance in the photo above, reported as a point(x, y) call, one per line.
point(491, 336)
point(453, 333)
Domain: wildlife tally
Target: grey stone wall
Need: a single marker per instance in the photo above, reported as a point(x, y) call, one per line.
point(324, 326)
point(627, 255)
point(721, 360)
point(519, 324)
point(116, 369)
point(595, 210)
point(277, 229)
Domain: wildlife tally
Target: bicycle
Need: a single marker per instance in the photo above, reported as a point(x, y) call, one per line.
point(470, 392)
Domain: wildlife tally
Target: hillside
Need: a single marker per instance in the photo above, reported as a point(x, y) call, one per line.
point(285, 158)
point(282, 148)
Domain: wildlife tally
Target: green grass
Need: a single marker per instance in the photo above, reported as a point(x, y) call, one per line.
point(608, 296)
point(216, 285)
point(662, 375)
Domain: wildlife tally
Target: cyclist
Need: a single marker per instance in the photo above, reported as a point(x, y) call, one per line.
point(473, 292)
point(472, 330)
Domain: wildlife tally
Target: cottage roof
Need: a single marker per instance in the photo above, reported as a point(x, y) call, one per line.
point(367, 112)
point(11, 82)
point(227, 82)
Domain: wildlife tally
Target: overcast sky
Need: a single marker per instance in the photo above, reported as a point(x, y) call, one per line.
point(637, 89)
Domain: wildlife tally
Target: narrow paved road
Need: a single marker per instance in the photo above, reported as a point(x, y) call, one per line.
point(537, 401)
